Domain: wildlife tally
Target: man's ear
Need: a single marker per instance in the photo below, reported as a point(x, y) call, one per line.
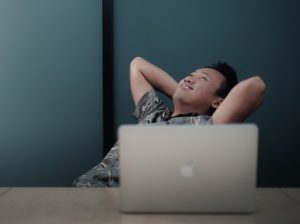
point(217, 102)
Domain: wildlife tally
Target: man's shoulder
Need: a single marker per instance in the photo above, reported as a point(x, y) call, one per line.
point(149, 105)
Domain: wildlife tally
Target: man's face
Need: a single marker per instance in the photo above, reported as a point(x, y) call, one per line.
point(198, 89)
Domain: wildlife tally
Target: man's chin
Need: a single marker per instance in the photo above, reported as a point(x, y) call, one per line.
point(180, 98)
point(182, 93)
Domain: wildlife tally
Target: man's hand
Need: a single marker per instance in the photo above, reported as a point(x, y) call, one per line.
point(145, 76)
point(241, 101)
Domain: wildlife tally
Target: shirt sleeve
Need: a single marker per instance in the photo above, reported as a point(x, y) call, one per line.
point(105, 174)
point(149, 104)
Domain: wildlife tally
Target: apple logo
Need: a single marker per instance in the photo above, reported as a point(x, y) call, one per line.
point(187, 170)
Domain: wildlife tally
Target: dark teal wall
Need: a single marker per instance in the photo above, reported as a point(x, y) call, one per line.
point(256, 37)
point(50, 90)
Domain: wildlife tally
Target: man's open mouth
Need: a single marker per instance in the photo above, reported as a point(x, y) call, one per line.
point(186, 87)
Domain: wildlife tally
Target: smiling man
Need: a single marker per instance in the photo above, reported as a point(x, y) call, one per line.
point(209, 95)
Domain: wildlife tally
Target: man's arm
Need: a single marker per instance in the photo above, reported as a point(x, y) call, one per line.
point(145, 76)
point(241, 101)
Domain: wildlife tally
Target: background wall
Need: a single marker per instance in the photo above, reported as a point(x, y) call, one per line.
point(50, 90)
point(256, 37)
point(51, 76)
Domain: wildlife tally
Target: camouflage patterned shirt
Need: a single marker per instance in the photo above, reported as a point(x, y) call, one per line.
point(149, 110)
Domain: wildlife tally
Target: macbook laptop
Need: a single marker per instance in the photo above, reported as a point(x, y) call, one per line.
point(188, 169)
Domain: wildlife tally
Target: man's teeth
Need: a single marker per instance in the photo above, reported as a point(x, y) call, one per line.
point(187, 87)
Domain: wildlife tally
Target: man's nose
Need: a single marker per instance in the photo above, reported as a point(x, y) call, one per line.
point(188, 80)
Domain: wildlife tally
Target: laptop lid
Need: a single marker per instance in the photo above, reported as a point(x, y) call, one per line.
point(188, 168)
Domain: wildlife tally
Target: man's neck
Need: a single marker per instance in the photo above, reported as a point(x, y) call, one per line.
point(179, 109)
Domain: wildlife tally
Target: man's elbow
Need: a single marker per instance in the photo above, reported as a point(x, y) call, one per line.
point(259, 84)
point(135, 68)
point(135, 62)
point(257, 87)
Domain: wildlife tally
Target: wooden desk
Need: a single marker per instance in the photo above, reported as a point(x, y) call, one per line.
point(100, 205)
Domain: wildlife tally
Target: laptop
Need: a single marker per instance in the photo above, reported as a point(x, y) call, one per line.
point(188, 169)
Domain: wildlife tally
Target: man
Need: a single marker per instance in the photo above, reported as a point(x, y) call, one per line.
point(209, 95)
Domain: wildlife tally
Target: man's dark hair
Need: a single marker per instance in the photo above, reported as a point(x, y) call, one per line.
point(230, 75)
point(230, 80)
